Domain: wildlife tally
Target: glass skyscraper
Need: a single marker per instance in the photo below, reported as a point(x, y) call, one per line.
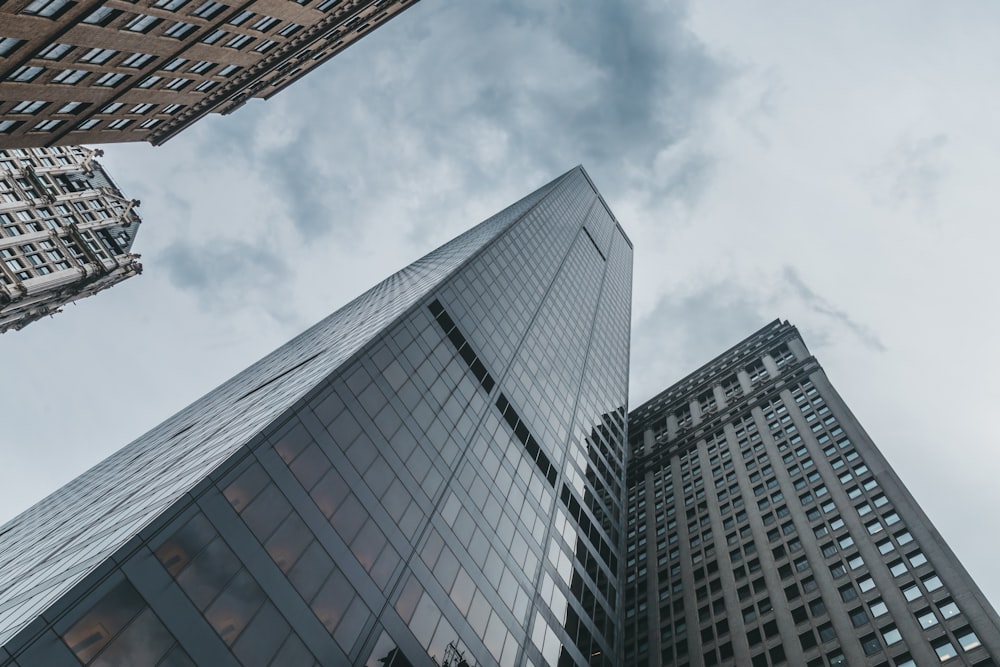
point(433, 472)
point(765, 528)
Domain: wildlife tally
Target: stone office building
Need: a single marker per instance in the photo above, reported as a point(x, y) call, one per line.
point(66, 232)
point(105, 71)
point(765, 528)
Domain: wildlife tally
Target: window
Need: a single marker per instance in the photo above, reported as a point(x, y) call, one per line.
point(146, 124)
point(179, 30)
point(28, 106)
point(266, 46)
point(137, 60)
point(171, 109)
point(239, 41)
point(201, 67)
point(859, 617)
point(102, 16)
point(213, 36)
point(293, 28)
point(866, 584)
point(69, 76)
point(174, 64)
point(47, 8)
point(891, 635)
point(113, 107)
point(25, 74)
point(110, 79)
point(205, 86)
point(926, 619)
point(119, 124)
point(265, 23)
point(945, 651)
point(8, 45)
point(208, 9)
point(898, 568)
point(142, 23)
point(170, 5)
point(932, 583)
point(871, 645)
point(46, 126)
point(88, 124)
point(240, 17)
point(877, 607)
point(948, 609)
point(911, 593)
point(150, 81)
point(228, 69)
point(177, 84)
point(967, 639)
point(141, 108)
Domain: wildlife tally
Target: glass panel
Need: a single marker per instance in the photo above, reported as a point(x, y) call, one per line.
point(288, 542)
point(208, 573)
point(143, 642)
point(231, 612)
point(332, 600)
point(183, 545)
point(93, 632)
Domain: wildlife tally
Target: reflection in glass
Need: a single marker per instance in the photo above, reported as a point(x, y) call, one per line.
point(234, 608)
point(208, 573)
point(93, 632)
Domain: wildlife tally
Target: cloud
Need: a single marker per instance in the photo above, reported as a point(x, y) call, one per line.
point(820, 305)
point(689, 327)
point(225, 273)
point(911, 174)
point(451, 98)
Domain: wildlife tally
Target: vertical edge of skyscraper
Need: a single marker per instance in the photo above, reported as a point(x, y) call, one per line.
point(104, 71)
point(764, 528)
point(430, 475)
point(66, 232)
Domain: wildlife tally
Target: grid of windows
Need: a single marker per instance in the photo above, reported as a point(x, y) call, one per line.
point(774, 541)
point(367, 484)
point(62, 223)
point(52, 42)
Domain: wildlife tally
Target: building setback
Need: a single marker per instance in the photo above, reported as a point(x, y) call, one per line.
point(430, 475)
point(104, 71)
point(765, 528)
point(66, 232)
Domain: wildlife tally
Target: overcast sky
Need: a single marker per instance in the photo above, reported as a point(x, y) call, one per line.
point(832, 164)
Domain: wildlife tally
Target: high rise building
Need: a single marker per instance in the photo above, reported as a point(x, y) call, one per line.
point(434, 471)
point(66, 232)
point(765, 528)
point(103, 71)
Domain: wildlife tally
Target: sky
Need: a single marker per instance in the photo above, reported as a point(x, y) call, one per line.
point(830, 164)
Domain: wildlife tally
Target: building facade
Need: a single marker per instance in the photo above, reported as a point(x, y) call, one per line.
point(66, 232)
point(104, 71)
point(765, 528)
point(430, 475)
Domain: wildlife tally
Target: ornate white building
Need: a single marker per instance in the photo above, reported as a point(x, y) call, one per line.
point(66, 231)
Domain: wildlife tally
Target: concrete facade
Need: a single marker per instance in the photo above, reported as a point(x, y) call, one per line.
point(768, 529)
